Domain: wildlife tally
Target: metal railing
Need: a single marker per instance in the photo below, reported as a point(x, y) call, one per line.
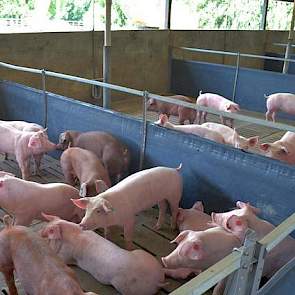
point(238, 56)
point(232, 262)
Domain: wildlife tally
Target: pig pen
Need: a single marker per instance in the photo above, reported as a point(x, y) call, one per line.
point(216, 174)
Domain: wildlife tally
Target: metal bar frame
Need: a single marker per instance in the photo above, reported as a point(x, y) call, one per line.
point(144, 129)
point(235, 54)
point(132, 91)
point(43, 75)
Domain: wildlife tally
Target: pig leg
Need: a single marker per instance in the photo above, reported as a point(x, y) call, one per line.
point(24, 164)
point(205, 117)
point(199, 117)
point(268, 115)
point(9, 279)
point(128, 233)
point(273, 116)
point(69, 178)
point(37, 160)
point(162, 212)
point(219, 288)
point(180, 273)
point(174, 211)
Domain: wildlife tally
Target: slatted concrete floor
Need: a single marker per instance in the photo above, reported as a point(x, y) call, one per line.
point(155, 242)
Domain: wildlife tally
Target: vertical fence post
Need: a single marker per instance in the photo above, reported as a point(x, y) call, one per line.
point(237, 283)
point(45, 98)
point(144, 129)
point(236, 76)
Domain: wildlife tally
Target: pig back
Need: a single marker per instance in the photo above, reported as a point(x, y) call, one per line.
point(144, 189)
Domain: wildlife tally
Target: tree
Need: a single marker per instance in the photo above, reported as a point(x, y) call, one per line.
point(16, 8)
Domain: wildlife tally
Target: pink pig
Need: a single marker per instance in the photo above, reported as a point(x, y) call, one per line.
point(130, 272)
point(284, 102)
point(26, 199)
point(46, 274)
point(23, 144)
point(31, 127)
point(77, 162)
point(114, 155)
point(193, 129)
point(283, 149)
point(201, 249)
point(217, 102)
point(246, 213)
point(232, 137)
point(168, 109)
point(194, 218)
point(119, 204)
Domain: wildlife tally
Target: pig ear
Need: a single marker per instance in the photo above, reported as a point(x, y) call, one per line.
point(193, 250)
point(152, 101)
point(107, 206)
point(54, 232)
point(228, 106)
point(2, 182)
point(34, 142)
point(236, 224)
point(100, 186)
point(198, 206)
point(253, 140)
point(284, 150)
point(81, 203)
point(83, 190)
point(265, 146)
point(49, 217)
point(179, 215)
point(8, 221)
point(163, 119)
point(180, 237)
point(241, 204)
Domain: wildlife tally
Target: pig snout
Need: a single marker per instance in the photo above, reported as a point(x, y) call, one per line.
point(171, 261)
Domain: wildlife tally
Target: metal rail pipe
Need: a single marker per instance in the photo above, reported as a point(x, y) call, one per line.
point(132, 91)
point(234, 54)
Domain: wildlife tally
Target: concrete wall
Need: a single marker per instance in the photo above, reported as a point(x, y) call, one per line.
point(140, 59)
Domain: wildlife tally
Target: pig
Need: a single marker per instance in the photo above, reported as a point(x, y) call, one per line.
point(217, 102)
point(201, 249)
point(183, 113)
point(247, 215)
point(283, 149)
point(130, 272)
point(193, 129)
point(194, 218)
point(31, 127)
point(231, 137)
point(47, 274)
point(26, 199)
point(115, 155)
point(119, 204)
point(77, 162)
point(23, 144)
point(284, 102)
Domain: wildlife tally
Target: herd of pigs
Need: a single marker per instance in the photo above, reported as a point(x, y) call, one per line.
point(99, 163)
point(283, 149)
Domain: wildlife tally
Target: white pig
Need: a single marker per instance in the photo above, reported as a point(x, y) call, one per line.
point(217, 102)
point(192, 128)
point(140, 191)
point(130, 272)
point(284, 102)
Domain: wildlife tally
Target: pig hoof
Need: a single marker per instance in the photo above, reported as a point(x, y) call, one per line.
point(157, 226)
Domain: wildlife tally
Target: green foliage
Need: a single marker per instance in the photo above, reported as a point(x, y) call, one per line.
point(75, 10)
point(15, 8)
point(121, 18)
